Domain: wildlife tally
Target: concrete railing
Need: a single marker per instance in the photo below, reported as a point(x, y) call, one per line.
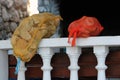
point(46, 48)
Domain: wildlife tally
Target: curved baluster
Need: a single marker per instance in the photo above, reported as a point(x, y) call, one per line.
point(73, 54)
point(101, 53)
point(46, 55)
point(21, 72)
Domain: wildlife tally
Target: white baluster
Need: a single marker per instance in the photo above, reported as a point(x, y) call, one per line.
point(46, 55)
point(101, 53)
point(21, 72)
point(73, 54)
point(3, 65)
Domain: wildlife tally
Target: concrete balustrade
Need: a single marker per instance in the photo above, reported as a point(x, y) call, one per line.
point(45, 50)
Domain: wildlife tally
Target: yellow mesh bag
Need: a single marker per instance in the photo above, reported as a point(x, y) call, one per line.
point(31, 30)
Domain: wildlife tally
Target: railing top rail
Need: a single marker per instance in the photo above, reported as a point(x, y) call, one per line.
point(81, 42)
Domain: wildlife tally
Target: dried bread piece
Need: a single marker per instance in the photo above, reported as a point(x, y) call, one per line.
point(31, 30)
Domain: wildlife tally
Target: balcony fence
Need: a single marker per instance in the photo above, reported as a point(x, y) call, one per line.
point(100, 46)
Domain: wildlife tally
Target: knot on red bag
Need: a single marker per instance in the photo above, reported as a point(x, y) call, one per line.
point(84, 27)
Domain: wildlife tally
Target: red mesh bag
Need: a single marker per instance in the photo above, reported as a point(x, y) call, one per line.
point(84, 27)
